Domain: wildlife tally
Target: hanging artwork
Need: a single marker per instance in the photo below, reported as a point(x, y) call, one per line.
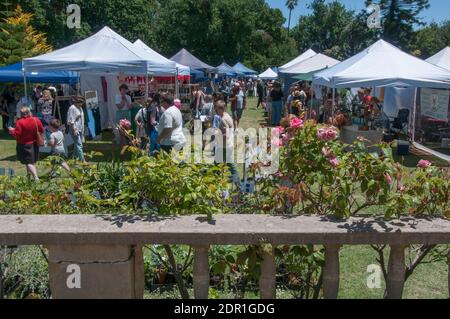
point(435, 104)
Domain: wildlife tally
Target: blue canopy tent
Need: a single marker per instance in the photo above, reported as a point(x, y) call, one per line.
point(225, 69)
point(198, 76)
point(243, 69)
point(13, 74)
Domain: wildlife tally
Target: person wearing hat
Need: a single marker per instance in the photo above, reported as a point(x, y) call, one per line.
point(75, 121)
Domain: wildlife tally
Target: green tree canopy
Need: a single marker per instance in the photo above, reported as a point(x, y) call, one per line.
point(399, 18)
point(333, 29)
point(431, 39)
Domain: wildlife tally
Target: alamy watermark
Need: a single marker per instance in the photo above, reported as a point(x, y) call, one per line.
point(374, 20)
point(374, 279)
point(232, 147)
point(73, 16)
point(74, 279)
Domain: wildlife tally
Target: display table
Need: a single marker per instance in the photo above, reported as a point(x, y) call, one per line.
point(349, 134)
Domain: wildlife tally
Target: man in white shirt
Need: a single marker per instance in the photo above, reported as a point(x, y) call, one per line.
point(170, 128)
point(224, 152)
point(75, 121)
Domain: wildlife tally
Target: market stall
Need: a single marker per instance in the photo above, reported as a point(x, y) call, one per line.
point(268, 74)
point(226, 70)
point(244, 70)
point(14, 74)
point(384, 65)
point(100, 59)
point(178, 82)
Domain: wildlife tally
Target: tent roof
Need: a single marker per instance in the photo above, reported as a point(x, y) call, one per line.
point(105, 51)
point(306, 76)
point(381, 65)
point(269, 74)
point(316, 62)
point(182, 69)
point(184, 57)
point(224, 68)
point(305, 55)
point(442, 58)
point(14, 73)
point(243, 69)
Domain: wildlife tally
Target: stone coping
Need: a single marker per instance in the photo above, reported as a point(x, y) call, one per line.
point(223, 230)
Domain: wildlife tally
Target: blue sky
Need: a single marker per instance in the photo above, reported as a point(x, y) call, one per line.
point(439, 10)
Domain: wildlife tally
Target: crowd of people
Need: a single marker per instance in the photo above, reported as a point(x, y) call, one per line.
point(158, 123)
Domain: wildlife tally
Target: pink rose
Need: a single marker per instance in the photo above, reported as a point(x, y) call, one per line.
point(331, 134)
point(296, 123)
point(424, 164)
point(322, 134)
point(334, 162)
point(125, 124)
point(388, 178)
point(327, 134)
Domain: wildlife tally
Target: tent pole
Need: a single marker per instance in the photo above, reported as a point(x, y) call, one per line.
point(333, 103)
point(25, 81)
point(413, 134)
point(177, 85)
point(146, 87)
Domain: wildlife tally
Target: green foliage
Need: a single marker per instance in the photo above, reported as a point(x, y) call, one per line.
point(214, 30)
point(431, 39)
point(333, 29)
point(25, 272)
point(399, 19)
point(144, 184)
point(328, 177)
point(18, 39)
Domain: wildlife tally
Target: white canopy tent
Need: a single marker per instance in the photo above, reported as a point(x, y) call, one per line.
point(182, 69)
point(269, 74)
point(100, 59)
point(305, 55)
point(316, 62)
point(382, 65)
point(441, 58)
point(107, 52)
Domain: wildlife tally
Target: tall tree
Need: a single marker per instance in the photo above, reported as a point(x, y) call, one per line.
point(431, 39)
point(399, 18)
point(231, 30)
point(18, 39)
point(291, 4)
point(334, 30)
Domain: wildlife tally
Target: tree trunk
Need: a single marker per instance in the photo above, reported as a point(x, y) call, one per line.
point(178, 276)
point(289, 23)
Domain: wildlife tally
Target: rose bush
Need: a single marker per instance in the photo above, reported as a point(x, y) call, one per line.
point(319, 174)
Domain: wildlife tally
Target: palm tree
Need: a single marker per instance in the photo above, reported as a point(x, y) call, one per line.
point(291, 4)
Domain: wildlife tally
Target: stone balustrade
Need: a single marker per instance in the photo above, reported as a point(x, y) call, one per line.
point(105, 252)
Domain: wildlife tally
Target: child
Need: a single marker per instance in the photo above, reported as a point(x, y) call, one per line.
point(56, 142)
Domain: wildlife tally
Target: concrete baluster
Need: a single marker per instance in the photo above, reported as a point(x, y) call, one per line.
point(267, 282)
point(396, 272)
point(201, 272)
point(331, 271)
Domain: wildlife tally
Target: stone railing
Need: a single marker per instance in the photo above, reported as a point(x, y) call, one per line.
point(105, 252)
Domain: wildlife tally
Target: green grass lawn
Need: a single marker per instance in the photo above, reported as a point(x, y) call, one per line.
point(429, 280)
